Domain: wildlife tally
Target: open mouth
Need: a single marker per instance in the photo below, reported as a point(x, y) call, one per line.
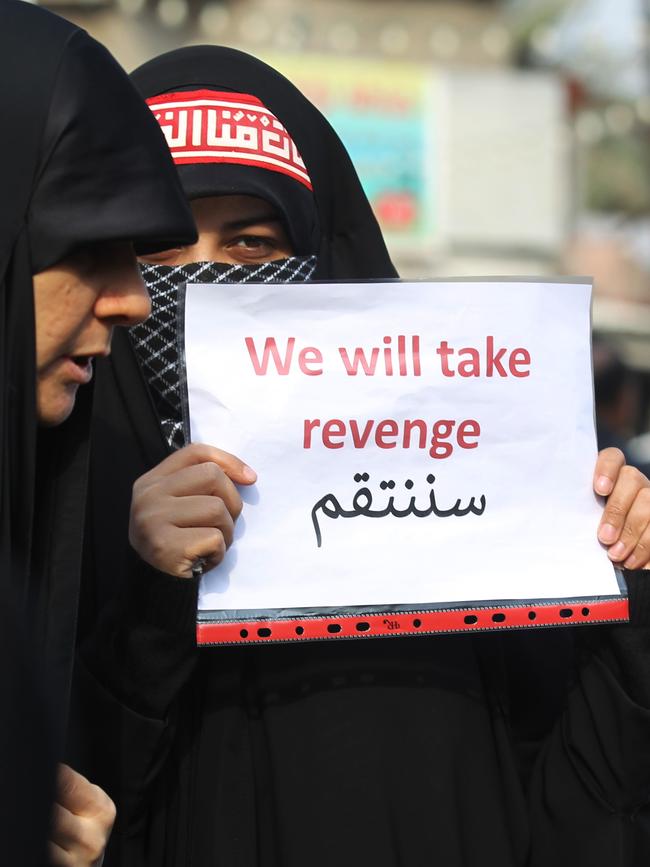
point(82, 361)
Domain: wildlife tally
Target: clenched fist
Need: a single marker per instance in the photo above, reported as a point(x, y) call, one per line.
point(82, 820)
point(184, 510)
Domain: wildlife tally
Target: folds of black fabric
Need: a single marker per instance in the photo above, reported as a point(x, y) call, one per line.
point(26, 742)
point(69, 176)
point(511, 749)
point(78, 166)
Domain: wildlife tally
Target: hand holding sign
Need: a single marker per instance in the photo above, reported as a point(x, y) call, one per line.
point(184, 509)
point(625, 525)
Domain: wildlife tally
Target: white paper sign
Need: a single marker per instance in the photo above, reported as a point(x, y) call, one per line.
point(416, 443)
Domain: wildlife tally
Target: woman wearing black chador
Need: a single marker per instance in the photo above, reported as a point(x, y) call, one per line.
point(84, 177)
point(510, 749)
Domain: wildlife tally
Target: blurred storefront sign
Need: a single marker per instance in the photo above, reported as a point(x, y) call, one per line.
point(450, 159)
point(509, 168)
point(388, 115)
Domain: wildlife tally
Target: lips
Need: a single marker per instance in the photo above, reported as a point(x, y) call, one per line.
point(79, 368)
point(83, 361)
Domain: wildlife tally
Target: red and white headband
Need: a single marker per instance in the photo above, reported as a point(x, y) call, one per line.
point(207, 126)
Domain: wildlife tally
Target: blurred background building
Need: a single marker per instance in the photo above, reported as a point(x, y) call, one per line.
point(493, 137)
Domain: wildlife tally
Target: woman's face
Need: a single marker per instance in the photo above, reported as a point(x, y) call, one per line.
point(77, 302)
point(239, 230)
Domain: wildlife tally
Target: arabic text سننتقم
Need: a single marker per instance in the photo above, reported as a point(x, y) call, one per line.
point(329, 505)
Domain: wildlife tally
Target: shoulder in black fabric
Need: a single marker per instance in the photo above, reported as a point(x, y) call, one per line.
point(71, 175)
point(350, 245)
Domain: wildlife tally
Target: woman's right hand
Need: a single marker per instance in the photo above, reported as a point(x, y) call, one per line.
point(184, 510)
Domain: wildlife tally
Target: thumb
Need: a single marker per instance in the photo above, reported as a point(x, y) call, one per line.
point(77, 794)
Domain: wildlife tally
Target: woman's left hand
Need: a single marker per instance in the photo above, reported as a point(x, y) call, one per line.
point(625, 525)
point(82, 819)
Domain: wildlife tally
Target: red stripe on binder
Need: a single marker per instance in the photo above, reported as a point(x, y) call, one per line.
point(474, 619)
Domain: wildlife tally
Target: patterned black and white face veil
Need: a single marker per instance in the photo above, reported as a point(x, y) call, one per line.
point(156, 342)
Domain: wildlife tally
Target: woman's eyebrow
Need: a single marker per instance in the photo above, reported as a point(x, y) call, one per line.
point(253, 220)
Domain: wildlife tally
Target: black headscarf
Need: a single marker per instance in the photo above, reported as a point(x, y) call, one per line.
point(127, 436)
point(81, 161)
point(267, 165)
point(346, 237)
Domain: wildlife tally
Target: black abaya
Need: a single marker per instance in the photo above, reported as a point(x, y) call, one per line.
point(510, 749)
point(69, 176)
point(81, 161)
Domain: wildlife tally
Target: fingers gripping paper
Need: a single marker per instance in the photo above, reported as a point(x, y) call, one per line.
point(419, 446)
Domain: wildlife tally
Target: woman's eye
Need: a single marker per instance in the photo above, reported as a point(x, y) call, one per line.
point(253, 245)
